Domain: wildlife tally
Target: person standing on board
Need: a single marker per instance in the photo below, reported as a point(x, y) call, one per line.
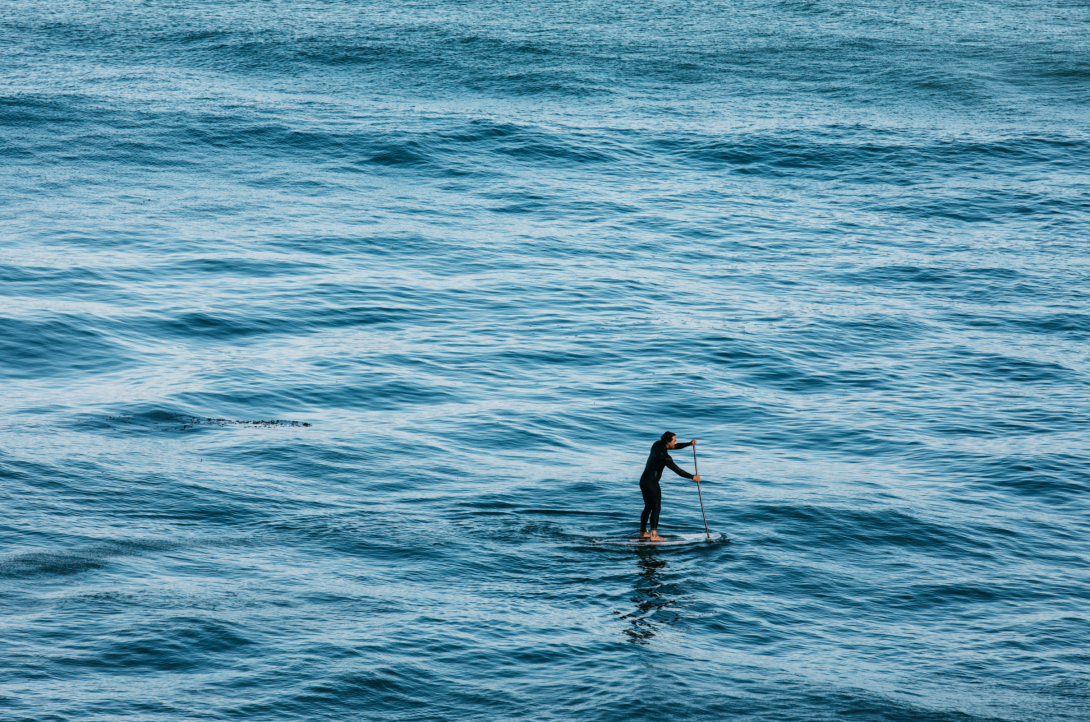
point(649, 482)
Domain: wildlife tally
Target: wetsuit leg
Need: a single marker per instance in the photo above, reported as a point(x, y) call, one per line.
point(652, 504)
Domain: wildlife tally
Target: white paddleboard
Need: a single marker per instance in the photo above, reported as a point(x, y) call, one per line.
point(669, 540)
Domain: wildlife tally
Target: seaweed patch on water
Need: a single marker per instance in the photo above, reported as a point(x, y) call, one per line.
point(172, 422)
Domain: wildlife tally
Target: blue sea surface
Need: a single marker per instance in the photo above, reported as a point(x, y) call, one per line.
point(334, 336)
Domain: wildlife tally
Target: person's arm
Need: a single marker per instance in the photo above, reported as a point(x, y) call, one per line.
point(680, 445)
point(677, 469)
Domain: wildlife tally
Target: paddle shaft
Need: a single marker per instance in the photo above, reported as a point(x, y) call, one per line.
point(697, 473)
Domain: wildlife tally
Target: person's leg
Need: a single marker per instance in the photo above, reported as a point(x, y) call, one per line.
point(655, 515)
point(652, 505)
point(648, 508)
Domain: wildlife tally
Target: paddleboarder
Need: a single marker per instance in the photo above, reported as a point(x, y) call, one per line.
point(649, 482)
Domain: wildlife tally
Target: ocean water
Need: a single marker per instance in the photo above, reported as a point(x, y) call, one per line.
point(333, 336)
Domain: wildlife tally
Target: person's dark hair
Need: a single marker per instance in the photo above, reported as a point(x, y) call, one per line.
point(667, 436)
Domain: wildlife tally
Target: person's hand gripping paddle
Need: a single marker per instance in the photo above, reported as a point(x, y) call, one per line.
point(696, 469)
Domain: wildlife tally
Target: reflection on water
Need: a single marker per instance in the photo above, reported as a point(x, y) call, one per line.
point(653, 597)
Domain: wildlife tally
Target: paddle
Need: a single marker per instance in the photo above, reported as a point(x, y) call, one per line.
point(696, 469)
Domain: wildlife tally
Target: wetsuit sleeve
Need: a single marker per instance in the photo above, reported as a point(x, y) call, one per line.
point(677, 469)
point(682, 446)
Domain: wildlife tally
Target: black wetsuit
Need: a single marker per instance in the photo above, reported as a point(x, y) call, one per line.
point(649, 482)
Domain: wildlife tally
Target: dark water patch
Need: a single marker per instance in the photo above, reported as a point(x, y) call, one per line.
point(332, 467)
point(49, 564)
point(546, 208)
point(990, 206)
point(224, 326)
point(992, 287)
point(234, 266)
point(886, 276)
point(803, 376)
point(399, 689)
point(536, 145)
point(382, 390)
point(408, 153)
point(73, 282)
point(58, 346)
point(176, 644)
point(877, 333)
point(566, 512)
point(379, 245)
point(997, 273)
point(1058, 478)
point(360, 148)
point(77, 561)
point(965, 423)
point(363, 54)
point(26, 108)
point(969, 595)
point(547, 82)
point(372, 534)
point(157, 140)
point(1070, 324)
point(999, 368)
point(1066, 72)
point(417, 55)
point(862, 705)
point(234, 132)
point(501, 431)
point(516, 531)
point(350, 316)
point(873, 531)
point(908, 161)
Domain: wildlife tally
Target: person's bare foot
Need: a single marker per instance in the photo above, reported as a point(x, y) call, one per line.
point(644, 535)
point(655, 537)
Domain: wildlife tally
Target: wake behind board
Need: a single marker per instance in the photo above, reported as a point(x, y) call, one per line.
point(669, 540)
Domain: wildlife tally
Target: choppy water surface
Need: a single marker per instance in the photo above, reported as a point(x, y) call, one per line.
point(464, 262)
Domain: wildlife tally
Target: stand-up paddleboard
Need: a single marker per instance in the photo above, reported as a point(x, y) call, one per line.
point(669, 540)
